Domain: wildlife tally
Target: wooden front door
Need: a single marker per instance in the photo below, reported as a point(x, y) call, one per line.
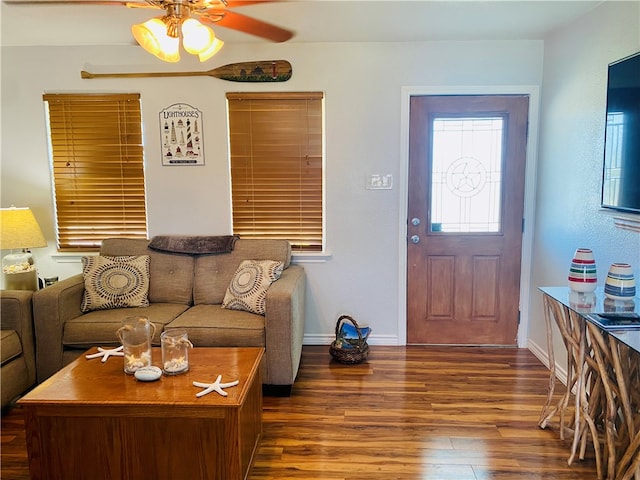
point(465, 213)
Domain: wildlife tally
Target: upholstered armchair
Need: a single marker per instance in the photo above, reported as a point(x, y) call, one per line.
point(17, 344)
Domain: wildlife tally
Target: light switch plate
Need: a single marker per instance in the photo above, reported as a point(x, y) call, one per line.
point(376, 181)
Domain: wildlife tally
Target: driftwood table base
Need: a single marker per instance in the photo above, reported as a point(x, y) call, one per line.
point(603, 380)
point(618, 367)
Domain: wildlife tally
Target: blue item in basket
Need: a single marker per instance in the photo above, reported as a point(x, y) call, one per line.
point(348, 331)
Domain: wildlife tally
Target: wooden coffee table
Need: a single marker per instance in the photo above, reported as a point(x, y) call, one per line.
point(90, 420)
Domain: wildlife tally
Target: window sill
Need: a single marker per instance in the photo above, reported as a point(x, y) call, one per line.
point(310, 257)
point(71, 257)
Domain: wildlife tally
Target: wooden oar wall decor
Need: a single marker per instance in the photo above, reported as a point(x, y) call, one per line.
point(251, 72)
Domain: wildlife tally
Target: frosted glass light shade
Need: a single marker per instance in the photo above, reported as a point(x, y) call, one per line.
point(196, 37)
point(152, 36)
point(214, 48)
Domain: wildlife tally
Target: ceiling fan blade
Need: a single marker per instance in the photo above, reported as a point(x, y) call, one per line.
point(218, 4)
point(242, 3)
point(140, 5)
point(242, 23)
point(65, 2)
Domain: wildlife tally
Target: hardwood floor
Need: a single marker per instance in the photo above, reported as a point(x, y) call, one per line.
point(408, 413)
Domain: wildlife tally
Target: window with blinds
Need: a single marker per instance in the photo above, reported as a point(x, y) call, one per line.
point(97, 162)
point(276, 166)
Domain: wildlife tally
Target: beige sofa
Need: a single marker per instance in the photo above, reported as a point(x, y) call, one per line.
point(185, 291)
point(17, 345)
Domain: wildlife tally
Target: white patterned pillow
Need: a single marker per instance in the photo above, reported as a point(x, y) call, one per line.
point(115, 282)
point(248, 288)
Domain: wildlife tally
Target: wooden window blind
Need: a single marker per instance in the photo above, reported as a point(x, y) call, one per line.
point(98, 168)
point(276, 166)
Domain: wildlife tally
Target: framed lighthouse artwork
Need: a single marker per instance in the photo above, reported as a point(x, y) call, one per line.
point(181, 133)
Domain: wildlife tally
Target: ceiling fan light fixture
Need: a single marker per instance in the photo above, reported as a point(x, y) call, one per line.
point(196, 37)
point(214, 48)
point(170, 50)
point(148, 34)
point(152, 36)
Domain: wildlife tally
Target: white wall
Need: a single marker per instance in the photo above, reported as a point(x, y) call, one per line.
point(362, 84)
point(571, 151)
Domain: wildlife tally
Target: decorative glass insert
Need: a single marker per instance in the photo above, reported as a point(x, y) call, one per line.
point(466, 174)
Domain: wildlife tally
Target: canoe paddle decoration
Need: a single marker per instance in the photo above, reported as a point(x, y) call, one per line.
point(264, 71)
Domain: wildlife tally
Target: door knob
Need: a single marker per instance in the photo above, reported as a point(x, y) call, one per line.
point(415, 221)
point(415, 239)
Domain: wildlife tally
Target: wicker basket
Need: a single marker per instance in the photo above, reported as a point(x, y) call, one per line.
point(351, 351)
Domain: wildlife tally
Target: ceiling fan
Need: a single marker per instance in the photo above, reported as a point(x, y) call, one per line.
point(161, 35)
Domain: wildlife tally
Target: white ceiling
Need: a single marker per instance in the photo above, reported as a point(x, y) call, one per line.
point(311, 20)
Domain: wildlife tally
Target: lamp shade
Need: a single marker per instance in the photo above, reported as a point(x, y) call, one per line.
point(19, 229)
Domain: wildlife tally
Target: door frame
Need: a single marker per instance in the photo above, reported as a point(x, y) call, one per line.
point(533, 91)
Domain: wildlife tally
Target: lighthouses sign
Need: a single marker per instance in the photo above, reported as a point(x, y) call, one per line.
point(181, 134)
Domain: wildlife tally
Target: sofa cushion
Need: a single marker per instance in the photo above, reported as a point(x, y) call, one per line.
point(171, 275)
point(213, 326)
point(213, 273)
point(115, 282)
point(98, 328)
point(10, 346)
point(248, 288)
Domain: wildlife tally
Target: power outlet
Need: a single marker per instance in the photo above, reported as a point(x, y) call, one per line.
point(376, 181)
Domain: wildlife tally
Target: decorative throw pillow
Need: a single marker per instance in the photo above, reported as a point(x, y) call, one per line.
point(249, 285)
point(115, 282)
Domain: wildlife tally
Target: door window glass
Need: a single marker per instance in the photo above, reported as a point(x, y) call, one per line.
point(466, 174)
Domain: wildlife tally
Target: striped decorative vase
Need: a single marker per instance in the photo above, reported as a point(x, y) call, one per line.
point(620, 284)
point(582, 273)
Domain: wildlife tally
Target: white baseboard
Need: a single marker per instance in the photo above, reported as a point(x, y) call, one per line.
point(390, 340)
point(540, 354)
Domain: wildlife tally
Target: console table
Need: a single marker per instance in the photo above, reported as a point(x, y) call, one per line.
point(603, 381)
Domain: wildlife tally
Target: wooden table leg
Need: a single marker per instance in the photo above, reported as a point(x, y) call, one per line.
point(586, 402)
point(560, 314)
point(598, 346)
point(618, 368)
point(622, 384)
point(581, 373)
point(629, 463)
point(549, 411)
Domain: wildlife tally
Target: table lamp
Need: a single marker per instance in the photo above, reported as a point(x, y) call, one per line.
point(19, 230)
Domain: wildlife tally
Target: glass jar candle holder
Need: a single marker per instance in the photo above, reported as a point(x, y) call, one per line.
point(19, 272)
point(136, 334)
point(175, 347)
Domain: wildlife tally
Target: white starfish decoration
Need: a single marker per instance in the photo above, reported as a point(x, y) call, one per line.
point(105, 353)
point(215, 387)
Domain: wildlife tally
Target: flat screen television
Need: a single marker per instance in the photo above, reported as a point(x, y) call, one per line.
point(621, 173)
